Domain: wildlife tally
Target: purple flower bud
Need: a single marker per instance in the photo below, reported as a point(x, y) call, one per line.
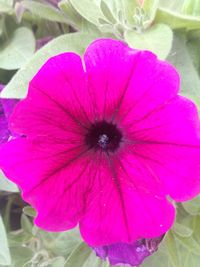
point(128, 254)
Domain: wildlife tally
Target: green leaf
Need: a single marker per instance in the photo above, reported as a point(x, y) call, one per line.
point(18, 50)
point(61, 244)
point(159, 256)
point(70, 12)
point(4, 250)
point(75, 42)
point(7, 185)
point(1, 25)
point(128, 9)
point(190, 244)
point(193, 47)
point(172, 249)
point(182, 230)
point(89, 9)
point(176, 20)
point(191, 7)
point(6, 6)
point(26, 224)
point(107, 12)
point(44, 11)
point(192, 206)
point(157, 39)
point(20, 256)
point(29, 211)
point(174, 5)
point(150, 8)
point(8, 2)
point(57, 262)
point(179, 57)
point(79, 256)
point(18, 238)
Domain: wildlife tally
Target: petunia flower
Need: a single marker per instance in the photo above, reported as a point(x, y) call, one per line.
point(6, 108)
point(107, 142)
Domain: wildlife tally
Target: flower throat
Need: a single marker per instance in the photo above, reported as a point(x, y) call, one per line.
point(103, 135)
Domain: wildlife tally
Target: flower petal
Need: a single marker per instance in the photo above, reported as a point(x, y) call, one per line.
point(56, 99)
point(109, 67)
point(125, 82)
point(168, 141)
point(123, 206)
point(48, 176)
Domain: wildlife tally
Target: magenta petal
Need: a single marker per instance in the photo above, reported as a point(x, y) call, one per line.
point(123, 81)
point(168, 142)
point(126, 204)
point(58, 201)
point(58, 103)
point(109, 67)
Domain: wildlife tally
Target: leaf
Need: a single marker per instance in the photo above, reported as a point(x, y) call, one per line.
point(179, 57)
point(191, 7)
point(45, 11)
point(6, 6)
point(18, 238)
point(29, 211)
point(128, 9)
point(174, 5)
point(76, 42)
point(20, 255)
point(107, 12)
point(89, 9)
point(182, 230)
point(57, 262)
point(193, 47)
point(159, 256)
point(150, 8)
point(18, 49)
point(176, 20)
point(1, 25)
point(6, 185)
point(8, 2)
point(61, 244)
point(26, 224)
point(190, 244)
point(172, 249)
point(4, 250)
point(70, 12)
point(157, 39)
point(78, 256)
point(192, 206)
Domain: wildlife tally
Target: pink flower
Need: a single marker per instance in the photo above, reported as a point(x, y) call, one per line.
point(105, 143)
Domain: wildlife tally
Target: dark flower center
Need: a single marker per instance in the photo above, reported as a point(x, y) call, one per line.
point(103, 135)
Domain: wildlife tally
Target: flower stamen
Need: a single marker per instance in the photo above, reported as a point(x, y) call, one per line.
point(103, 135)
